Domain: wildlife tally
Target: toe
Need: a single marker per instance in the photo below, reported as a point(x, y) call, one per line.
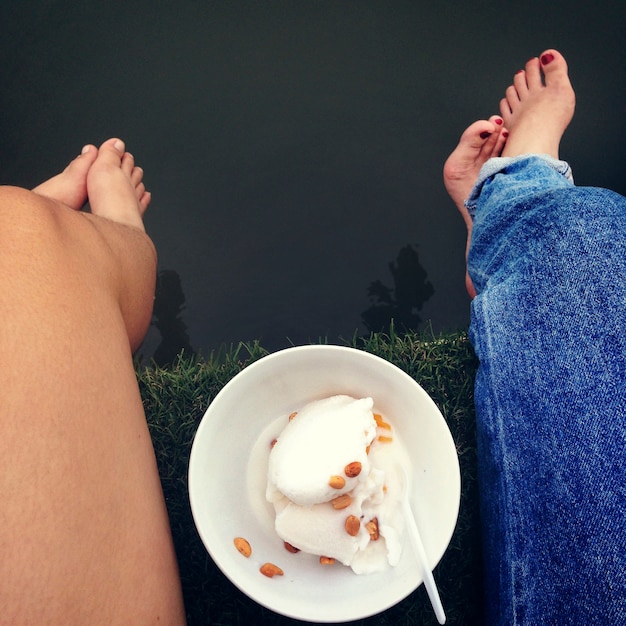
point(497, 120)
point(498, 138)
point(500, 142)
point(477, 134)
point(505, 109)
point(128, 164)
point(112, 151)
point(136, 175)
point(533, 74)
point(553, 65)
point(512, 102)
point(88, 153)
point(144, 201)
point(81, 164)
point(520, 83)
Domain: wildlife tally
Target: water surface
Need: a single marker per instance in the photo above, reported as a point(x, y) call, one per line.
point(294, 149)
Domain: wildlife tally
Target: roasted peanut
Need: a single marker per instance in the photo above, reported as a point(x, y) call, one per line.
point(384, 439)
point(342, 501)
point(292, 415)
point(273, 442)
point(372, 529)
point(380, 422)
point(352, 469)
point(337, 482)
point(291, 548)
point(243, 546)
point(352, 525)
point(270, 570)
point(327, 560)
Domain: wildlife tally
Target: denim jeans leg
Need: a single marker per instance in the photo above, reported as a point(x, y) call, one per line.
point(548, 260)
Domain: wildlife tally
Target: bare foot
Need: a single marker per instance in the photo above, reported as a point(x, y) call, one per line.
point(480, 141)
point(70, 186)
point(115, 187)
point(537, 114)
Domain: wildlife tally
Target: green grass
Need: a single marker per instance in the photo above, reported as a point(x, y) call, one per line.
point(175, 399)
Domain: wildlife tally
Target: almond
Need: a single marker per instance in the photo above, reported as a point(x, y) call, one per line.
point(341, 502)
point(337, 482)
point(352, 469)
point(243, 546)
point(352, 525)
point(270, 570)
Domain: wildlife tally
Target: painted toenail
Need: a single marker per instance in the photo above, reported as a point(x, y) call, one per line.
point(485, 134)
point(505, 133)
point(520, 71)
point(498, 121)
point(547, 58)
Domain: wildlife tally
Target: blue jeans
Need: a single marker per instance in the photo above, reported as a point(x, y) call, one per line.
point(548, 261)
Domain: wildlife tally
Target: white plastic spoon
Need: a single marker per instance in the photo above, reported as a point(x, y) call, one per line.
point(420, 554)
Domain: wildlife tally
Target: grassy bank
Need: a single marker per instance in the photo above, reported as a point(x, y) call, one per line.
point(175, 399)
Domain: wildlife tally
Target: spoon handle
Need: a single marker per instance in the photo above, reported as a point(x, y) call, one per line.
point(427, 575)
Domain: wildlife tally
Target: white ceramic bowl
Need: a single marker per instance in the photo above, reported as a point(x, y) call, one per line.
point(228, 467)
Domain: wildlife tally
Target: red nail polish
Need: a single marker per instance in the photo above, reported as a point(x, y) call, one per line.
point(498, 121)
point(505, 133)
point(547, 58)
point(485, 134)
point(520, 72)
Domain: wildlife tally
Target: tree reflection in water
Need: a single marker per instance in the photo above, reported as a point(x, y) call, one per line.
point(169, 303)
point(401, 303)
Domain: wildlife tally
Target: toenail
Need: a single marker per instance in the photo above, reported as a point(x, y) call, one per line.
point(520, 71)
point(498, 121)
point(485, 134)
point(85, 149)
point(505, 133)
point(547, 58)
point(118, 145)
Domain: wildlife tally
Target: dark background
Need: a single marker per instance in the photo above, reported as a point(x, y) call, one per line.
point(294, 148)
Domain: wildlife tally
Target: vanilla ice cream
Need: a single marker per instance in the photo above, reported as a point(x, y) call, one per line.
point(332, 482)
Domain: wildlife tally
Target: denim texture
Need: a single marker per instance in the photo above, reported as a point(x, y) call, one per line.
point(548, 261)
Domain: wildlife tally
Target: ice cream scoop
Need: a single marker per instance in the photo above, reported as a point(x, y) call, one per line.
point(328, 481)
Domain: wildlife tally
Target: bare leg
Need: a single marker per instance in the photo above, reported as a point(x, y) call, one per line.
point(480, 141)
point(84, 533)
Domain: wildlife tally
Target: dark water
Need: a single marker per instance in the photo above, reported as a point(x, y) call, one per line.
point(294, 149)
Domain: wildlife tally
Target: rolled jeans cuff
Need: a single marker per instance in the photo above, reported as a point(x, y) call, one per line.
point(496, 165)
